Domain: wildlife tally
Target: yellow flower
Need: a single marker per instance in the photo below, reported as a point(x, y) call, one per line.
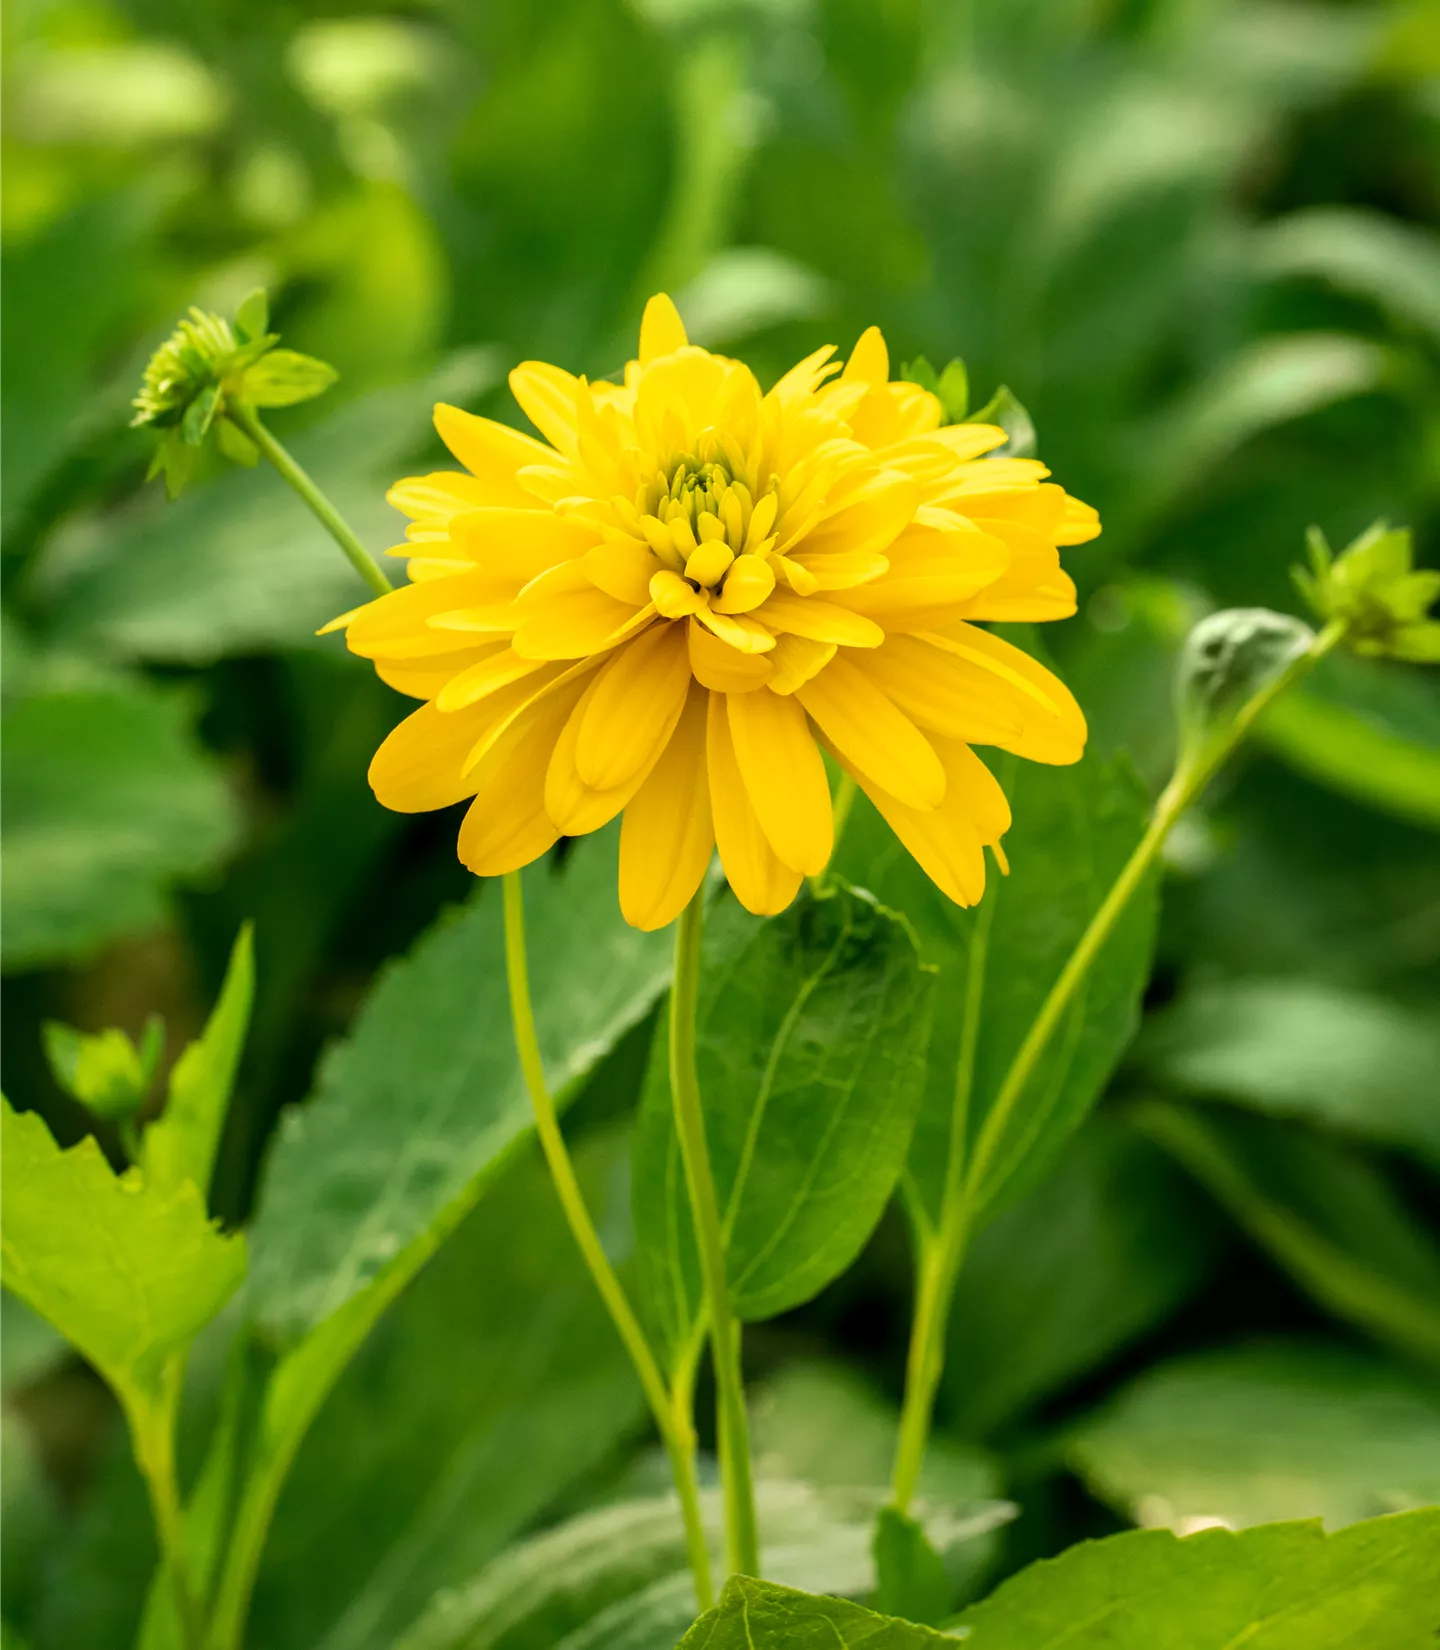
point(675, 604)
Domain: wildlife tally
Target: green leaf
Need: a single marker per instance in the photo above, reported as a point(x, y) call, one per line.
point(1074, 829)
point(1327, 1216)
point(127, 1273)
point(199, 416)
point(1300, 1048)
point(281, 378)
point(757, 1615)
point(910, 1576)
point(29, 1345)
point(252, 318)
point(1371, 254)
point(1260, 1434)
point(108, 801)
point(1004, 408)
point(1270, 1588)
point(1370, 731)
point(1102, 1251)
point(181, 1144)
point(811, 1032)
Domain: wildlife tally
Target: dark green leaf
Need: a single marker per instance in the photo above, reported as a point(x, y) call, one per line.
point(1074, 830)
point(108, 800)
point(910, 1576)
point(811, 1031)
point(1369, 1587)
point(1260, 1434)
point(757, 1615)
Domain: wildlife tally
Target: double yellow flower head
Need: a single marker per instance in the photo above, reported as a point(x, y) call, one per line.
point(671, 607)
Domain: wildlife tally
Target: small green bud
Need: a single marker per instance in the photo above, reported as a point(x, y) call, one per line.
point(1373, 589)
point(104, 1070)
point(1226, 660)
point(950, 387)
point(203, 370)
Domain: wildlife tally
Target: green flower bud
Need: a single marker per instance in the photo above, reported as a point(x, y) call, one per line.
point(204, 370)
point(1375, 591)
point(1227, 659)
point(104, 1070)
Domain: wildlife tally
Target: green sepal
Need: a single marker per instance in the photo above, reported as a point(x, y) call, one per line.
point(253, 316)
point(199, 416)
point(236, 445)
point(950, 387)
point(283, 377)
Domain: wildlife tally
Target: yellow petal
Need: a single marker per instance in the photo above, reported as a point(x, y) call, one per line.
point(636, 704)
point(423, 678)
point(796, 659)
point(397, 626)
point(867, 526)
point(869, 360)
point(761, 881)
point(438, 497)
point(708, 563)
point(872, 734)
point(667, 835)
point(508, 704)
point(547, 396)
point(744, 634)
point(673, 596)
point(931, 573)
point(420, 765)
point(519, 545)
point(717, 665)
point(506, 825)
point(661, 329)
point(1052, 725)
point(622, 567)
point(748, 583)
point(577, 623)
point(784, 776)
point(1080, 524)
point(940, 692)
point(1033, 588)
point(575, 808)
point(492, 453)
point(821, 621)
point(486, 676)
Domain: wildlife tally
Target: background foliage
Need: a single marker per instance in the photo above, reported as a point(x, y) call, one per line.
point(1198, 238)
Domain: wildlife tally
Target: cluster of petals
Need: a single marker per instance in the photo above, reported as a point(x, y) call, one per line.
point(673, 603)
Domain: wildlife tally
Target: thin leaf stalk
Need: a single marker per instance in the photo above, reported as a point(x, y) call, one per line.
point(742, 1543)
point(320, 506)
point(671, 1409)
point(941, 1257)
point(152, 1429)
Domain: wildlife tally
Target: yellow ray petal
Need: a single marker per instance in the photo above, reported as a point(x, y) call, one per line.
point(575, 808)
point(423, 678)
point(939, 692)
point(1033, 587)
point(498, 669)
point(870, 732)
point(750, 581)
point(762, 882)
point(717, 665)
point(576, 623)
point(661, 329)
point(547, 396)
point(636, 704)
point(668, 835)
point(493, 453)
point(622, 567)
point(740, 631)
point(420, 765)
point(519, 545)
point(821, 621)
point(437, 497)
point(1052, 725)
point(869, 361)
point(397, 626)
point(784, 777)
point(796, 659)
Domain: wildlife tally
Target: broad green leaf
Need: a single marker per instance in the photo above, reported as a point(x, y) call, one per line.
point(811, 1033)
point(282, 377)
point(240, 564)
point(181, 1144)
point(126, 1272)
point(1372, 254)
point(1259, 1434)
point(1359, 1062)
point(910, 1576)
point(1369, 730)
point(1326, 1215)
point(1105, 1249)
point(108, 800)
point(413, 1117)
point(616, 1578)
point(1074, 830)
point(758, 1615)
point(1371, 1586)
point(29, 1344)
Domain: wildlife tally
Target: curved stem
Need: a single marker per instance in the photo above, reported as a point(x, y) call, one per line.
point(671, 1409)
point(942, 1256)
point(329, 517)
point(742, 1542)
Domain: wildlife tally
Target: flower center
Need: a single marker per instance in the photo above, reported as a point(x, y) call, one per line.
point(701, 520)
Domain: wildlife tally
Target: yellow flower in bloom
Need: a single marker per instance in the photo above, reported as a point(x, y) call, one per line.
point(694, 587)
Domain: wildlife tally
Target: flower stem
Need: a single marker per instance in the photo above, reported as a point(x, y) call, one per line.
point(325, 512)
point(941, 1256)
point(670, 1409)
point(742, 1543)
point(152, 1430)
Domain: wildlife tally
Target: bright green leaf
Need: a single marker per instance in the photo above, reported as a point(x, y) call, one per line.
point(181, 1144)
point(108, 799)
point(252, 318)
point(281, 378)
point(127, 1273)
point(1369, 1587)
point(1252, 1436)
point(757, 1615)
point(811, 1031)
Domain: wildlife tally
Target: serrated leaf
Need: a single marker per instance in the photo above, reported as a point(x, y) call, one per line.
point(758, 1615)
point(1257, 1434)
point(1074, 829)
point(128, 1274)
point(811, 1030)
point(181, 1144)
point(1369, 1587)
point(108, 800)
point(283, 377)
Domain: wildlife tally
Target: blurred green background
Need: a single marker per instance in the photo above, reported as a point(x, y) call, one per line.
point(1200, 240)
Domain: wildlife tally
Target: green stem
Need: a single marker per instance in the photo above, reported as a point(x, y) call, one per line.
point(152, 1430)
point(671, 1409)
point(325, 512)
point(742, 1542)
point(941, 1257)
